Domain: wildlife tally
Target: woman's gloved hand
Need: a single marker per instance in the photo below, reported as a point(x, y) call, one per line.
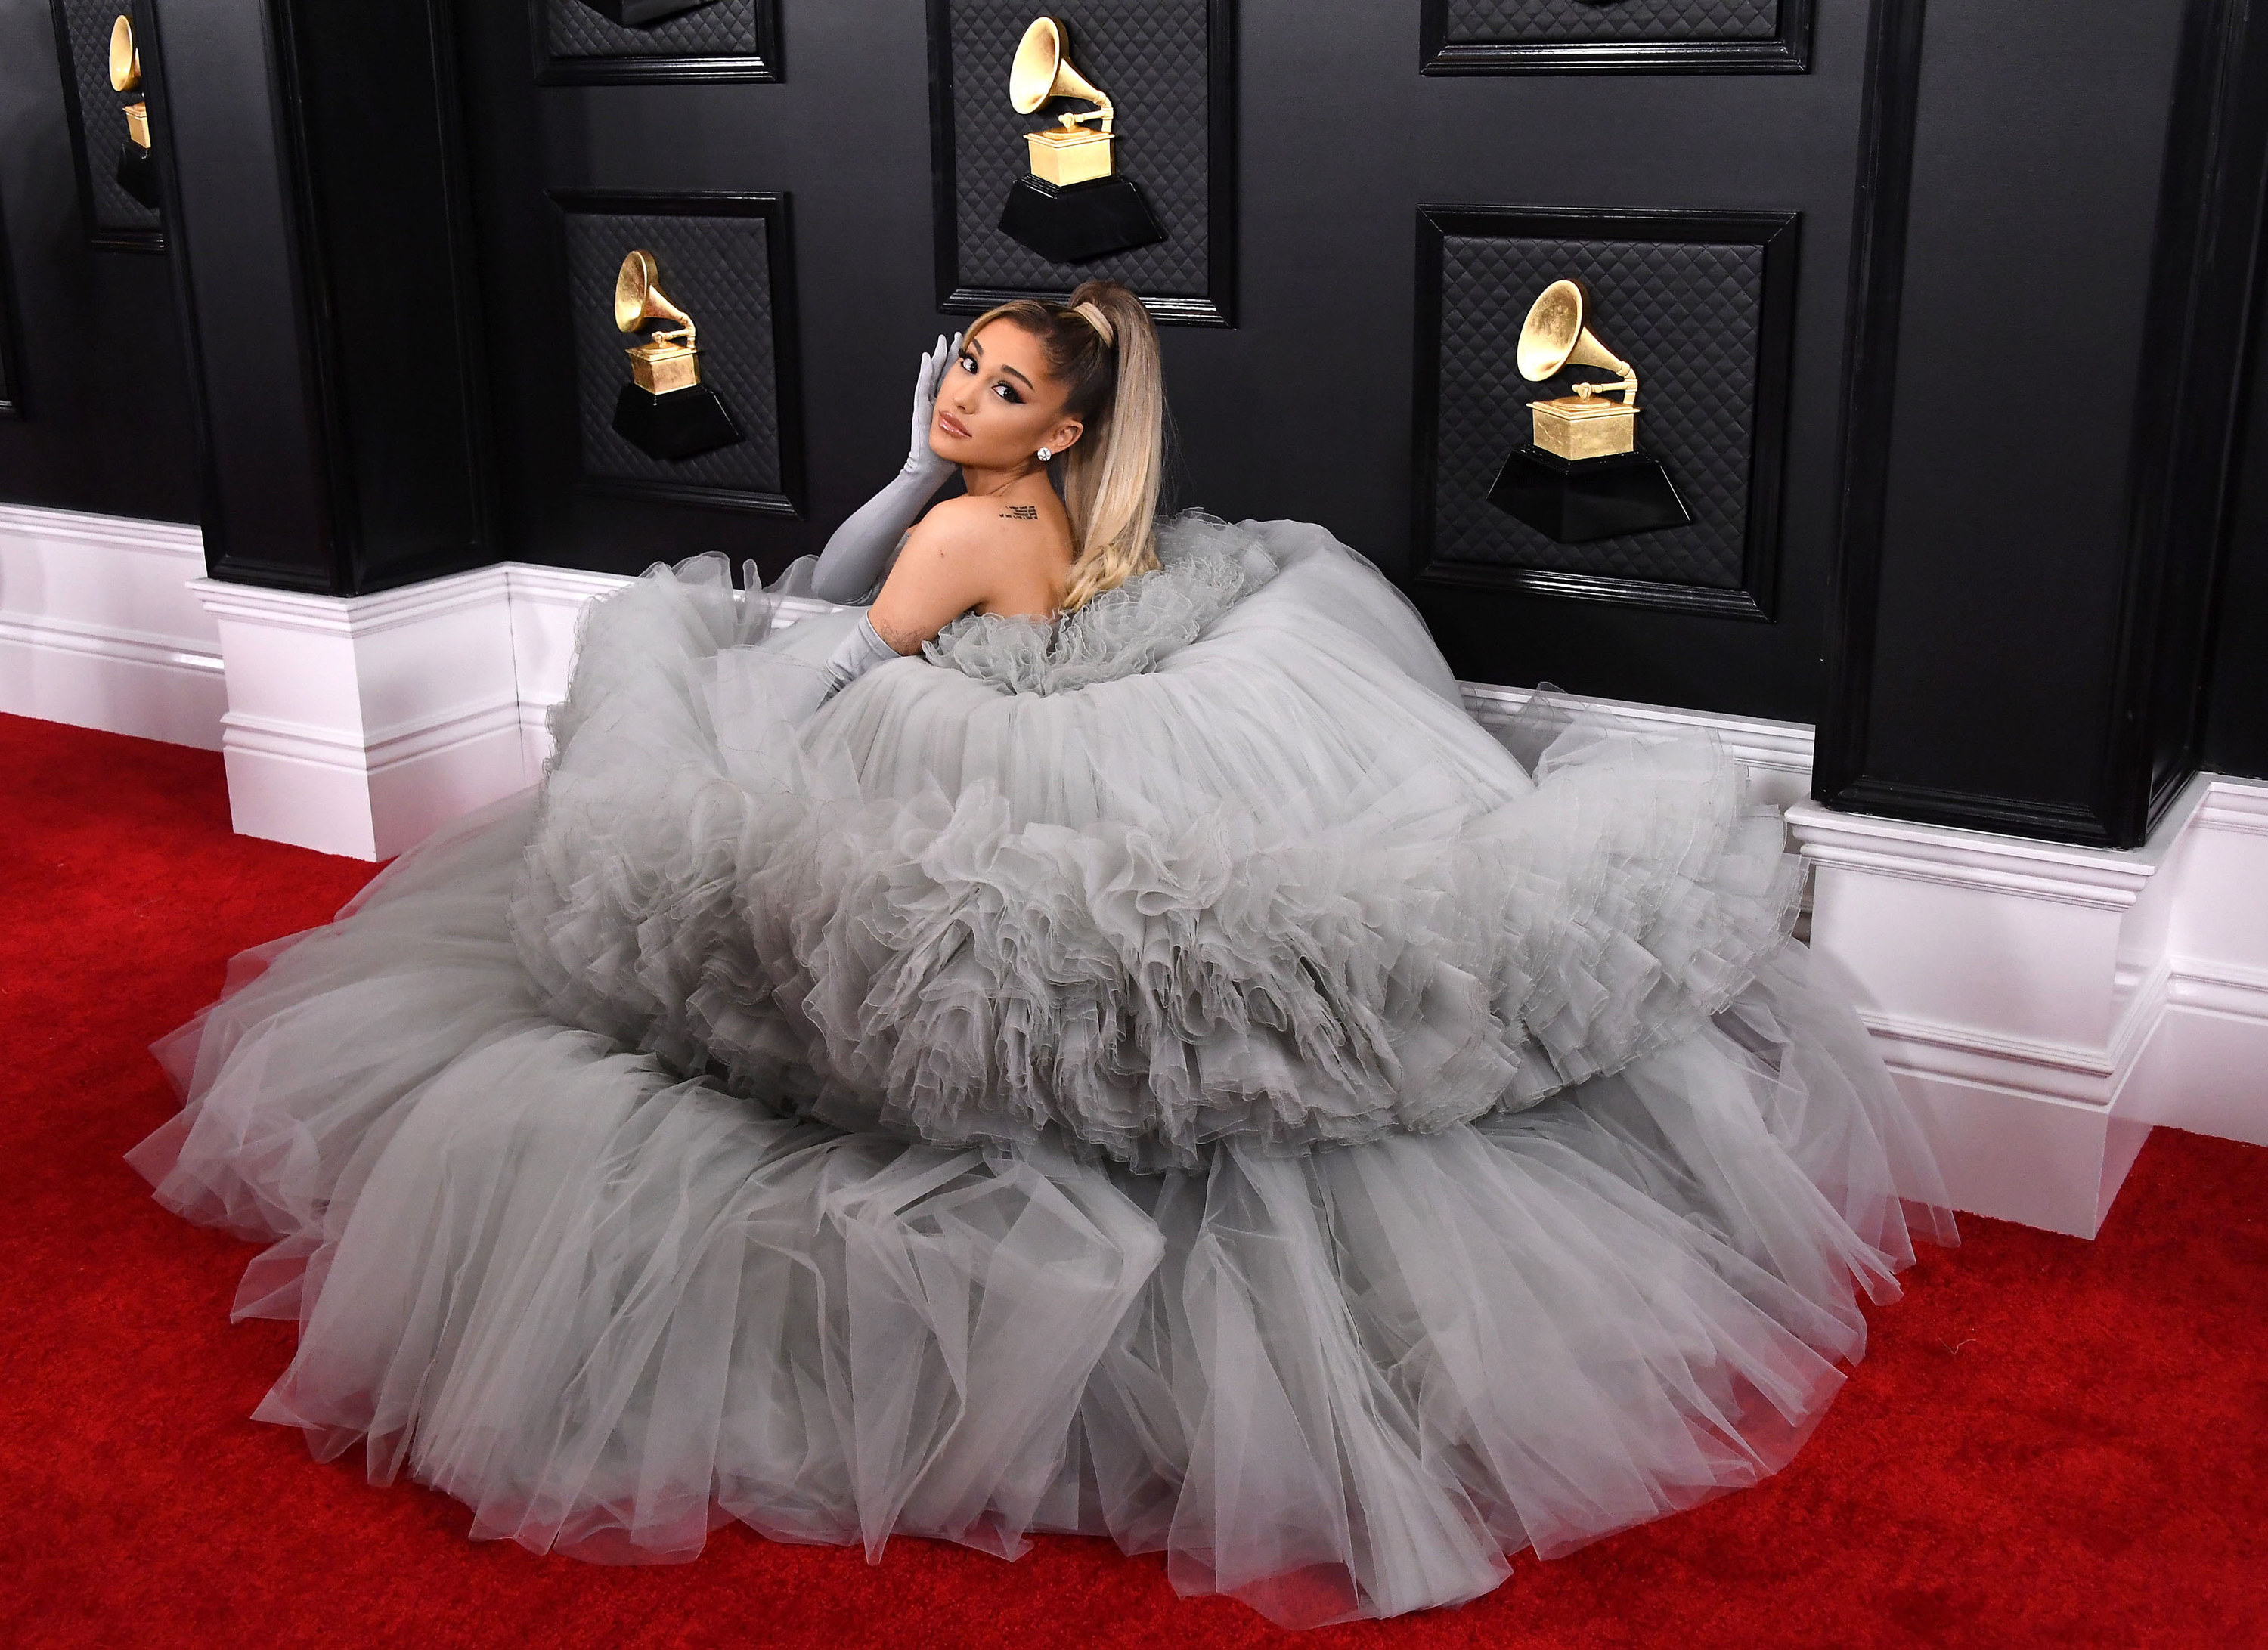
point(855, 558)
point(934, 362)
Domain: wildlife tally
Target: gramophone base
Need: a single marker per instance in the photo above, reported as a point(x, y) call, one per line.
point(683, 425)
point(138, 173)
point(1079, 220)
point(631, 13)
point(1573, 500)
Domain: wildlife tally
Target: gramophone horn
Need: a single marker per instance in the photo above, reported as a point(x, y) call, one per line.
point(1554, 338)
point(125, 58)
point(1043, 70)
point(639, 299)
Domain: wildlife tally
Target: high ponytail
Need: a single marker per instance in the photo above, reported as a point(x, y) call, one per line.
point(1103, 346)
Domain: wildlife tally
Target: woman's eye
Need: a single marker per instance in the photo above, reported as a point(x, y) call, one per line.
point(1007, 394)
point(969, 363)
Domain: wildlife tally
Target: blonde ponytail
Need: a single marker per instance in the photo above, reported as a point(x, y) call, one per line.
point(1104, 347)
point(1110, 486)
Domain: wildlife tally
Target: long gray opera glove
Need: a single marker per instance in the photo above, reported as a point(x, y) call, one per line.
point(852, 562)
point(854, 655)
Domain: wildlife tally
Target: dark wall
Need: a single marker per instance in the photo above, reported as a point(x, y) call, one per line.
point(2039, 458)
point(320, 243)
point(2236, 714)
point(2019, 357)
point(93, 344)
point(1304, 409)
point(2002, 510)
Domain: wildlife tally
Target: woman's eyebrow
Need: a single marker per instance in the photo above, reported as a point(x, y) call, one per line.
point(1005, 367)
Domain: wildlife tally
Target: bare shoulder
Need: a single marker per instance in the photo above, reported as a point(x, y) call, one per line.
point(993, 554)
point(956, 519)
point(986, 528)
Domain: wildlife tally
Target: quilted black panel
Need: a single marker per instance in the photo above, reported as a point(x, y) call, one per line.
point(1151, 56)
point(1688, 316)
point(1517, 22)
point(722, 28)
point(102, 123)
point(718, 271)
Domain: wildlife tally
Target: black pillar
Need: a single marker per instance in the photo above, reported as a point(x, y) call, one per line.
point(2236, 719)
point(2047, 367)
point(323, 262)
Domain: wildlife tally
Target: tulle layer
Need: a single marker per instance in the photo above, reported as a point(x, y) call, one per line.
point(1272, 883)
point(1225, 1102)
point(1206, 566)
point(609, 1307)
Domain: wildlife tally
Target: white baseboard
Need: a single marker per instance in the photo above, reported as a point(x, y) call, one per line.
point(2205, 1065)
point(98, 628)
point(357, 724)
point(2045, 1005)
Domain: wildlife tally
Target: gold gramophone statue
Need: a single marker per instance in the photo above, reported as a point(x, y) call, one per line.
point(1583, 476)
point(1072, 205)
point(137, 167)
point(664, 410)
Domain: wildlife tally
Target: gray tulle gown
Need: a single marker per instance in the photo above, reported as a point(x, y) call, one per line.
point(1171, 1075)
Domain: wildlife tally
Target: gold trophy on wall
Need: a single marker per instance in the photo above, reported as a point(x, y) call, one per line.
point(1072, 205)
point(1581, 476)
point(137, 167)
point(665, 411)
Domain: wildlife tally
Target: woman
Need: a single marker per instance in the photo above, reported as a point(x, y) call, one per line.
point(1099, 1040)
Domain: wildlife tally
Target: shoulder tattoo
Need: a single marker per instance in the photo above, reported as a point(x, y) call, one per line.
point(1020, 512)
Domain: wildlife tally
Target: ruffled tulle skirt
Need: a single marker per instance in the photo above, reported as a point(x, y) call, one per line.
point(695, 1140)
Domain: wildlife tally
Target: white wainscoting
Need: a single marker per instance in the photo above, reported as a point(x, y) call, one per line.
point(355, 725)
point(98, 629)
point(2045, 1005)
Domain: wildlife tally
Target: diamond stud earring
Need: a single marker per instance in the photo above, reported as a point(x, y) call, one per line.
point(1045, 455)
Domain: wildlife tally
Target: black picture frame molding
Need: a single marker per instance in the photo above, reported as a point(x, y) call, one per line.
point(787, 362)
point(1778, 233)
point(1788, 51)
point(102, 238)
point(1218, 307)
point(763, 64)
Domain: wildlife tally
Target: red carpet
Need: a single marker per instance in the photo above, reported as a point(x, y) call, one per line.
point(2053, 1442)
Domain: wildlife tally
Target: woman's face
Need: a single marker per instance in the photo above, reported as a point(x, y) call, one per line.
point(998, 406)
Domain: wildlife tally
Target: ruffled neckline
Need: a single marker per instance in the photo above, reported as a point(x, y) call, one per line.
point(1205, 566)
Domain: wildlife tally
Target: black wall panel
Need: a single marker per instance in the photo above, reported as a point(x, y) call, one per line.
point(1615, 36)
point(1700, 305)
point(726, 261)
point(94, 357)
point(321, 242)
point(2188, 481)
point(2038, 474)
point(1478, 21)
point(1169, 68)
point(720, 40)
point(2236, 714)
point(12, 393)
point(1997, 614)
